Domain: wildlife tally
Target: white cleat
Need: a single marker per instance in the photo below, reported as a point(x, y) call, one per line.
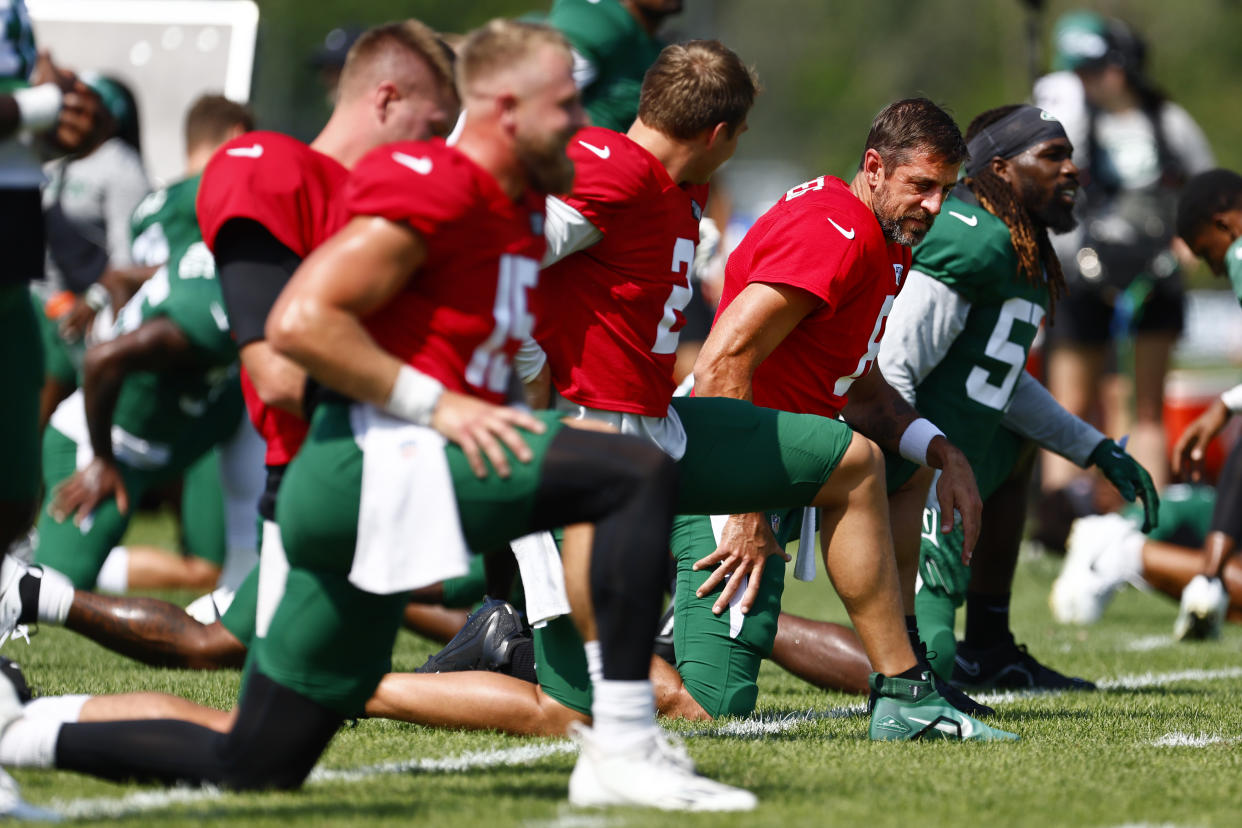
point(11, 572)
point(656, 773)
point(1102, 554)
point(1202, 612)
point(14, 807)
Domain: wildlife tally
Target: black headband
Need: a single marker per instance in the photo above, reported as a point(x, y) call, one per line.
point(1021, 129)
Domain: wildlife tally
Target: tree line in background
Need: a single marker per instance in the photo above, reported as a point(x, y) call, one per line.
point(826, 65)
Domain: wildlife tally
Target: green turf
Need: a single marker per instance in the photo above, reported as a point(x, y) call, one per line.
point(1085, 759)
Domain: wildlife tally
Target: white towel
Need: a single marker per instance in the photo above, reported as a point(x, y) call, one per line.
point(543, 577)
point(804, 567)
point(409, 532)
point(736, 616)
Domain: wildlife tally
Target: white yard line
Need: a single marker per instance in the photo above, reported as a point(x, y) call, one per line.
point(752, 728)
point(1179, 739)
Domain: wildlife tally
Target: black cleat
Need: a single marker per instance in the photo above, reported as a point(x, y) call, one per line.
point(13, 672)
point(485, 641)
point(1008, 666)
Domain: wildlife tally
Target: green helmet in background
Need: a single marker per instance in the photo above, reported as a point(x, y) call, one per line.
point(1079, 37)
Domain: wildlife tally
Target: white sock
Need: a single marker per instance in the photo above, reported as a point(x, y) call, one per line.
point(55, 595)
point(595, 661)
point(30, 743)
point(56, 708)
point(114, 574)
point(624, 712)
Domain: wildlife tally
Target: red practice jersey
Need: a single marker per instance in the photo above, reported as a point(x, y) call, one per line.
point(463, 315)
point(613, 311)
point(291, 190)
point(820, 238)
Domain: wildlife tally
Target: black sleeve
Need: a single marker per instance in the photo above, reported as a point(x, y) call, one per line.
point(253, 268)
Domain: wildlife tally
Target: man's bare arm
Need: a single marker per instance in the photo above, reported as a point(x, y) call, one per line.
point(316, 322)
point(757, 321)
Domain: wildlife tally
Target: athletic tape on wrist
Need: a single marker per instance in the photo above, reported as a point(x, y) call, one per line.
point(414, 396)
point(916, 438)
point(39, 105)
point(1233, 399)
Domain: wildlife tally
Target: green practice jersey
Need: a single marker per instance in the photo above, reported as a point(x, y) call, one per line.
point(618, 52)
point(969, 250)
point(160, 407)
point(17, 45)
point(1233, 266)
point(164, 221)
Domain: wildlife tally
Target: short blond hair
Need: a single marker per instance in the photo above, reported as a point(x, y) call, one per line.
point(500, 45)
point(408, 36)
point(694, 86)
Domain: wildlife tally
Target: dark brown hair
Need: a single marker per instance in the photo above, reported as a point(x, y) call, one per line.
point(913, 125)
point(694, 86)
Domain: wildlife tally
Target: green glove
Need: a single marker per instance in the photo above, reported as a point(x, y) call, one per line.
point(1131, 479)
point(940, 558)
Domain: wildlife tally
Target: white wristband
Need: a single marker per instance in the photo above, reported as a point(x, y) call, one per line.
point(39, 105)
point(916, 438)
point(414, 396)
point(1233, 399)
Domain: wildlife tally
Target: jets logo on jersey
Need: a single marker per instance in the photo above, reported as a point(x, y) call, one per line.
point(422, 166)
point(601, 152)
point(969, 221)
point(253, 151)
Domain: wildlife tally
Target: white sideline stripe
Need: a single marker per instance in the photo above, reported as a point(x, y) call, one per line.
point(1142, 680)
point(154, 800)
point(1134, 682)
point(743, 728)
point(1150, 642)
point(768, 723)
point(1179, 739)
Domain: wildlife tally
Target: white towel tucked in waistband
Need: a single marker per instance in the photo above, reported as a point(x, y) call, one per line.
point(409, 532)
point(543, 577)
point(804, 566)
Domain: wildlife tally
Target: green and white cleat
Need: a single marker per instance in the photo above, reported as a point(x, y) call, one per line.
point(906, 710)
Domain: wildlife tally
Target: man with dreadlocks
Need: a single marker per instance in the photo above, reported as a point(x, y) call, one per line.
point(980, 284)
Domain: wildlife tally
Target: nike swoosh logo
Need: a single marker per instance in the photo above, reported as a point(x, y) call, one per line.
point(422, 166)
point(602, 152)
point(969, 667)
point(245, 152)
point(849, 234)
point(970, 221)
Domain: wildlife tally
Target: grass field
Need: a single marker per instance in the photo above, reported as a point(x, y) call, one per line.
point(1161, 744)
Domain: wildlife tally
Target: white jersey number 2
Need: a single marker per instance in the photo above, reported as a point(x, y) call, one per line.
point(678, 298)
point(489, 367)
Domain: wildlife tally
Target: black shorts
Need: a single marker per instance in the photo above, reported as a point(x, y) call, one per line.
point(21, 236)
point(1085, 316)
